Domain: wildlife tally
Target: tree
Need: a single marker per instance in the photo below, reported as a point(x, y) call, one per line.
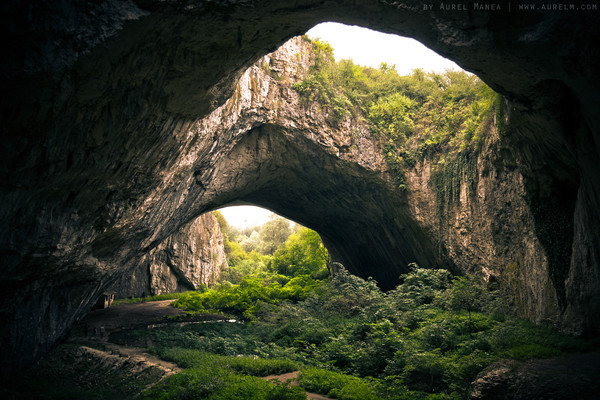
point(272, 234)
point(251, 242)
point(466, 294)
point(421, 285)
point(302, 253)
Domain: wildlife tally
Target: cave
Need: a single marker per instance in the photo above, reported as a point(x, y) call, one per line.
point(103, 157)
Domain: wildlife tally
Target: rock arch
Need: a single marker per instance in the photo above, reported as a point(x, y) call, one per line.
point(104, 104)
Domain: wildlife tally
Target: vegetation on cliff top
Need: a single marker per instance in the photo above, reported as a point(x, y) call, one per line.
point(443, 117)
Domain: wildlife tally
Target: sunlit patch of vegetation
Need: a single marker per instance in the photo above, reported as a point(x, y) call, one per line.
point(422, 115)
point(287, 273)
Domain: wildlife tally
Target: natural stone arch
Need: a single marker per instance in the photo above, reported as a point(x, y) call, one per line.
point(104, 94)
point(344, 203)
point(274, 152)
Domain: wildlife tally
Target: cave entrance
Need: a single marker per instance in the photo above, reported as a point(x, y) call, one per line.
point(328, 177)
point(255, 229)
point(372, 48)
point(176, 78)
point(263, 245)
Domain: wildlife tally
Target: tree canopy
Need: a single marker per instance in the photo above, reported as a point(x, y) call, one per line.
point(422, 115)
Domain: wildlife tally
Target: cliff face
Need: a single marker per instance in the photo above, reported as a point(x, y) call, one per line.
point(483, 221)
point(186, 260)
point(115, 135)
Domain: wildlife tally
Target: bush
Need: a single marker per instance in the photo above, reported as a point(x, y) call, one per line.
point(337, 385)
point(421, 286)
point(425, 371)
point(197, 383)
point(349, 326)
point(244, 299)
point(260, 367)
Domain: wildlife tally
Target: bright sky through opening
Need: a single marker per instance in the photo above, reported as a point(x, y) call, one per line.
point(371, 48)
point(364, 47)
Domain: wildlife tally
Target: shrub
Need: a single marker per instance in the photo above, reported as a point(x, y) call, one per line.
point(421, 286)
point(425, 371)
point(337, 385)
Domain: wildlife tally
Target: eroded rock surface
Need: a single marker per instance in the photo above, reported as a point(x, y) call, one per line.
point(187, 260)
point(482, 219)
point(561, 378)
point(108, 149)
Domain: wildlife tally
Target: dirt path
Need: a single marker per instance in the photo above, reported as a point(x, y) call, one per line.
point(139, 356)
point(129, 316)
point(292, 377)
point(97, 327)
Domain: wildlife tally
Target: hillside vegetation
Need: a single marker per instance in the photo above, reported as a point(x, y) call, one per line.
point(427, 339)
point(442, 117)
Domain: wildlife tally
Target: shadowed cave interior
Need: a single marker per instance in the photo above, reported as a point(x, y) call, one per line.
point(105, 152)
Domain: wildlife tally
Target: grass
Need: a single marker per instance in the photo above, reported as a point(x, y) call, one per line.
point(210, 376)
point(352, 341)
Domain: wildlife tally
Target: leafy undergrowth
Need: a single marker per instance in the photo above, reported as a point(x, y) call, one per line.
point(429, 338)
point(74, 372)
point(210, 376)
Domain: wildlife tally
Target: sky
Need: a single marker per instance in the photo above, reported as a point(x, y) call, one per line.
point(245, 216)
point(364, 47)
point(371, 48)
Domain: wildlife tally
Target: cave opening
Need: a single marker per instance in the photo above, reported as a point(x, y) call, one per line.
point(275, 166)
point(70, 232)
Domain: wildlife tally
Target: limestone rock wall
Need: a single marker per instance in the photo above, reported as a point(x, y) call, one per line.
point(484, 222)
point(186, 260)
point(111, 143)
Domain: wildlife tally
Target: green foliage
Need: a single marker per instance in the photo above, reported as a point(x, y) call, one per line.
point(221, 221)
point(244, 298)
point(272, 234)
point(466, 294)
point(208, 376)
point(254, 366)
point(392, 117)
point(302, 253)
point(423, 115)
point(243, 265)
point(428, 338)
point(421, 286)
point(336, 385)
point(263, 239)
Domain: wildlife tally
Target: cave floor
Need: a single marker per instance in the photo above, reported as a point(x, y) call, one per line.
point(98, 360)
point(96, 363)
